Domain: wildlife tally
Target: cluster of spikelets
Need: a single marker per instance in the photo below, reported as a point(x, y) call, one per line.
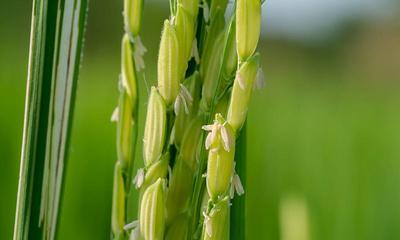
point(207, 68)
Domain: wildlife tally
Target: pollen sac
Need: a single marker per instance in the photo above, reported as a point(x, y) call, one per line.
point(118, 203)
point(221, 144)
point(216, 223)
point(248, 25)
point(157, 170)
point(187, 104)
point(192, 6)
point(241, 92)
point(124, 129)
point(155, 127)
point(133, 10)
point(129, 80)
point(180, 190)
point(178, 229)
point(184, 25)
point(168, 67)
point(152, 211)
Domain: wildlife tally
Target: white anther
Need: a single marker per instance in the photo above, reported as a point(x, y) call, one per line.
point(226, 138)
point(240, 80)
point(139, 178)
point(195, 51)
point(237, 184)
point(260, 79)
point(177, 105)
point(139, 52)
point(186, 94)
point(206, 11)
point(131, 225)
point(207, 222)
point(135, 234)
point(115, 115)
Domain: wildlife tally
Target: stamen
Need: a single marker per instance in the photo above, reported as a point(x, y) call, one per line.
point(207, 127)
point(195, 51)
point(186, 94)
point(140, 46)
point(214, 132)
point(170, 172)
point(131, 225)
point(238, 184)
point(241, 81)
point(177, 105)
point(206, 11)
point(207, 222)
point(135, 234)
point(208, 141)
point(120, 83)
point(231, 191)
point(226, 140)
point(139, 52)
point(185, 104)
point(260, 79)
point(212, 135)
point(139, 178)
point(115, 115)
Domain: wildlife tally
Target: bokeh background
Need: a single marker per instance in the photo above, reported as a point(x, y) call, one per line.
point(323, 136)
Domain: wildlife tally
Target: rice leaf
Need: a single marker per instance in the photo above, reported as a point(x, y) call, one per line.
point(55, 51)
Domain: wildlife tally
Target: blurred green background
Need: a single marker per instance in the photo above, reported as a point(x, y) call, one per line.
point(326, 129)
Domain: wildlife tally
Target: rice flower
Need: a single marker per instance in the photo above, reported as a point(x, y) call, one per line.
point(168, 67)
point(152, 211)
point(241, 92)
point(155, 128)
point(221, 144)
point(248, 26)
point(133, 10)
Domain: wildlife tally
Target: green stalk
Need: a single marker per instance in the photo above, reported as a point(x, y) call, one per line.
point(55, 50)
point(238, 208)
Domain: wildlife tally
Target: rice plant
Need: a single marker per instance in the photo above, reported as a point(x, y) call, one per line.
point(194, 137)
point(54, 60)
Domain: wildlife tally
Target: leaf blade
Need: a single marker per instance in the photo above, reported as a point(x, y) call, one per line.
point(56, 42)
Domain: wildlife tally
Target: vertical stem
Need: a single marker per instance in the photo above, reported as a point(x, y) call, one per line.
point(238, 209)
